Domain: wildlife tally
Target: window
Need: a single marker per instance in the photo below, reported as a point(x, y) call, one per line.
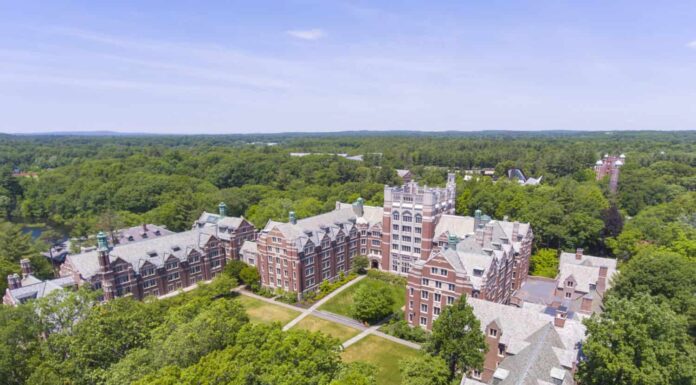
point(406, 229)
point(309, 261)
point(425, 281)
point(308, 250)
point(172, 265)
point(122, 279)
point(425, 294)
point(410, 317)
point(423, 321)
point(410, 291)
point(309, 271)
point(450, 286)
point(476, 374)
point(212, 253)
point(395, 246)
point(194, 258)
point(424, 308)
point(433, 270)
point(418, 230)
point(568, 294)
point(438, 284)
point(410, 305)
point(215, 263)
point(325, 244)
point(406, 238)
point(406, 248)
point(407, 217)
point(149, 283)
point(450, 300)
point(419, 218)
point(395, 227)
point(195, 269)
point(493, 332)
point(310, 282)
point(501, 350)
point(417, 250)
point(173, 276)
point(443, 272)
point(395, 216)
point(436, 310)
point(438, 297)
point(569, 284)
point(376, 242)
point(147, 271)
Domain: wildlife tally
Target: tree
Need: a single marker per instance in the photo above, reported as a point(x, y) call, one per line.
point(637, 341)
point(544, 263)
point(457, 338)
point(666, 276)
point(19, 343)
point(356, 373)
point(424, 370)
point(250, 276)
point(360, 264)
point(234, 268)
point(372, 303)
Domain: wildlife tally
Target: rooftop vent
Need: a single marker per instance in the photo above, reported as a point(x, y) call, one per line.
point(176, 248)
point(152, 253)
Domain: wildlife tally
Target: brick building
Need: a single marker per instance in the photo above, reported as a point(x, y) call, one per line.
point(610, 166)
point(156, 266)
point(298, 255)
point(28, 287)
point(490, 262)
point(410, 215)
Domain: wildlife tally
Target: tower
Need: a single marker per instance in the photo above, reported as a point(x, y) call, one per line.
point(222, 209)
point(105, 272)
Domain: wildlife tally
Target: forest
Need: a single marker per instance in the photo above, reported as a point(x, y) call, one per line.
point(78, 185)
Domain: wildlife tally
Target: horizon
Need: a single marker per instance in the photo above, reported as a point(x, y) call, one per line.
point(331, 67)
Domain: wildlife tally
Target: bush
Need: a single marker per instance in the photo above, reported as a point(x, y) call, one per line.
point(399, 328)
point(372, 304)
point(234, 268)
point(250, 276)
point(286, 296)
point(360, 264)
point(263, 291)
point(386, 277)
point(326, 287)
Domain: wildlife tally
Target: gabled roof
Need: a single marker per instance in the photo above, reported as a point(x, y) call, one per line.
point(140, 233)
point(87, 264)
point(584, 276)
point(587, 260)
point(35, 288)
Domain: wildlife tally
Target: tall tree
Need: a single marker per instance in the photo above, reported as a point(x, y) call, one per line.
point(637, 342)
point(457, 338)
point(424, 370)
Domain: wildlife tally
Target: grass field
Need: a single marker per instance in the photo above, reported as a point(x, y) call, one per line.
point(260, 311)
point(342, 303)
point(314, 324)
point(382, 353)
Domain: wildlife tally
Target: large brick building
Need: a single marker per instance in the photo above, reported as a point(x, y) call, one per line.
point(156, 266)
point(21, 289)
point(489, 262)
point(610, 166)
point(299, 254)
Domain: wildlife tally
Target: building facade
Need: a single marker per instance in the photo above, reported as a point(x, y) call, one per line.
point(490, 262)
point(410, 215)
point(610, 166)
point(26, 287)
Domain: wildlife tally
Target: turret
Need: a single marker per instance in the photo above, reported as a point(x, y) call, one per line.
point(358, 207)
point(292, 217)
point(103, 250)
point(222, 209)
point(26, 267)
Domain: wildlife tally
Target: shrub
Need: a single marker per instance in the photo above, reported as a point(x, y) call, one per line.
point(360, 264)
point(372, 304)
point(386, 277)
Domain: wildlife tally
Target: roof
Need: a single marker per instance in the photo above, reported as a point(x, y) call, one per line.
point(584, 276)
point(587, 260)
point(330, 224)
point(518, 326)
point(137, 253)
point(248, 247)
point(33, 287)
point(402, 173)
point(140, 233)
point(223, 226)
point(455, 225)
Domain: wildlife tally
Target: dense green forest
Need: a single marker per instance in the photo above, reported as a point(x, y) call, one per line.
point(84, 184)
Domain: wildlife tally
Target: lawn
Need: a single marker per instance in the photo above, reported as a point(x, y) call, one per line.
point(342, 303)
point(383, 354)
point(260, 311)
point(316, 324)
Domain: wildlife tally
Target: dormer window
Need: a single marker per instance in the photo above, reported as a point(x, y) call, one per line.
point(176, 248)
point(130, 238)
point(493, 332)
point(478, 272)
point(569, 283)
point(152, 254)
point(157, 232)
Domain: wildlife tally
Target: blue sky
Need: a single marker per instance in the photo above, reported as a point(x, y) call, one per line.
point(257, 66)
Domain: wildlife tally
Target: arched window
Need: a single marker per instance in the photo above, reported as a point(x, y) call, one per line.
point(395, 215)
point(419, 218)
point(407, 217)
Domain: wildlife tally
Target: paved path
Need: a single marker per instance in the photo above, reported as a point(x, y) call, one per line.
point(321, 302)
point(337, 318)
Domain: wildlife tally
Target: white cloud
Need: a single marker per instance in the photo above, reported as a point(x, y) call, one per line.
point(307, 34)
point(691, 44)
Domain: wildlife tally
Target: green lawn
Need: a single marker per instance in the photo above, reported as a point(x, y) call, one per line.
point(342, 303)
point(260, 311)
point(383, 354)
point(316, 324)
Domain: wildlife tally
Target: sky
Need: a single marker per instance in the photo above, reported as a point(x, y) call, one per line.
point(195, 67)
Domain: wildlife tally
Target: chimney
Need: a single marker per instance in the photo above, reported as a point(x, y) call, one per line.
point(487, 233)
point(602, 280)
point(560, 318)
point(222, 209)
point(578, 254)
point(479, 237)
point(26, 267)
point(586, 305)
point(13, 281)
point(292, 217)
point(515, 230)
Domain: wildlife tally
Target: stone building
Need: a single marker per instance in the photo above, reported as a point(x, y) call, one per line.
point(489, 262)
point(298, 255)
point(156, 266)
point(610, 166)
point(405, 175)
point(409, 217)
point(28, 287)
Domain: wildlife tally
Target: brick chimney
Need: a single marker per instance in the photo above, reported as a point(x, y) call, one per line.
point(26, 267)
point(560, 318)
point(602, 280)
point(586, 305)
point(578, 254)
point(479, 237)
point(515, 230)
point(487, 233)
point(13, 281)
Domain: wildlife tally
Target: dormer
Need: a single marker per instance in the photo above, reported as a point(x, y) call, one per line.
point(493, 329)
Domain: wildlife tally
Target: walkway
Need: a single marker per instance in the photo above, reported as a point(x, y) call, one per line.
point(313, 310)
point(321, 302)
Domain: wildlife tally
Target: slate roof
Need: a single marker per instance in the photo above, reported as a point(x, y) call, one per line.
point(587, 260)
point(519, 324)
point(455, 225)
point(33, 288)
point(248, 247)
point(140, 233)
point(584, 276)
point(178, 245)
point(223, 226)
point(330, 224)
